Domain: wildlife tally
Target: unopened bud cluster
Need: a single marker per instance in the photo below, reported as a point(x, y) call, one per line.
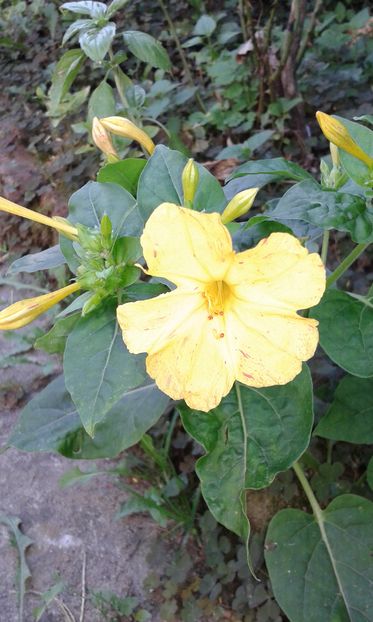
point(106, 263)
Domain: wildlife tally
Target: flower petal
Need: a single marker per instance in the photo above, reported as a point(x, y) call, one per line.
point(188, 356)
point(186, 246)
point(269, 348)
point(279, 272)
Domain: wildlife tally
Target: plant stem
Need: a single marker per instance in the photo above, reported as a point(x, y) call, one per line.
point(170, 430)
point(181, 52)
point(318, 514)
point(346, 263)
point(324, 248)
point(329, 452)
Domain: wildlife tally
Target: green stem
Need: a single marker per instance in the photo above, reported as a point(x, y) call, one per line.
point(346, 263)
point(181, 52)
point(170, 430)
point(318, 514)
point(329, 451)
point(324, 248)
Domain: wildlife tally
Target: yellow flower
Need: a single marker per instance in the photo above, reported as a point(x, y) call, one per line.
point(57, 223)
point(127, 129)
point(25, 311)
point(232, 315)
point(103, 141)
point(337, 134)
point(239, 205)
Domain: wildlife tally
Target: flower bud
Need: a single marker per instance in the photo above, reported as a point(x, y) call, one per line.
point(338, 134)
point(124, 127)
point(106, 227)
point(189, 180)
point(25, 311)
point(335, 155)
point(92, 303)
point(60, 224)
point(103, 141)
point(239, 205)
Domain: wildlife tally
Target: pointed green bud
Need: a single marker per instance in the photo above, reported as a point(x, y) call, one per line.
point(92, 303)
point(189, 180)
point(239, 205)
point(106, 227)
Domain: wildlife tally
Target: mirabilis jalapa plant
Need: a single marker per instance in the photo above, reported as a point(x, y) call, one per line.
point(176, 300)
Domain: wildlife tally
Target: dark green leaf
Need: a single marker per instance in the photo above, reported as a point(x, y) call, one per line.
point(96, 42)
point(50, 422)
point(54, 341)
point(327, 209)
point(88, 205)
point(50, 258)
point(76, 305)
point(160, 182)
point(86, 7)
point(125, 173)
point(147, 49)
point(102, 102)
point(350, 416)
point(64, 75)
point(346, 331)
point(246, 450)
point(98, 367)
point(312, 584)
point(205, 26)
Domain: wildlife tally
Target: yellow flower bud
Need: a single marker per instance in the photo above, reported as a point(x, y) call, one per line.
point(124, 127)
point(189, 180)
point(102, 140)
point(239, 205)
point(25, 311)
point(337, 134)
point(57, 223)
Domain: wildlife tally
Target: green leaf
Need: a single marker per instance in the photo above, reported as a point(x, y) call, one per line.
point(125, 173)
point(64, 75)
point(370, 474)
point(205, 26)
point(313, 584)
point(244, 452)
point(68, 251)
point(22, 542)
point(160, 182)
point(346, 320)
point(48, 598)
point(327, 209)
point(277, 168)
point(96, 42)
point(76, 476)
point(102, 102)
point(350, 416)
point(50, 258)
point(147, 49)
point(86, 7)
point(75, 27)
point(114, 6)
point(363, 136)
point(98, 367)
point(88, 205)
point(54, 341)
point(50, 422)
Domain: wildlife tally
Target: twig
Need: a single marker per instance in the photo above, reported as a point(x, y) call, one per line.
point(82, 606)
point(309, 33)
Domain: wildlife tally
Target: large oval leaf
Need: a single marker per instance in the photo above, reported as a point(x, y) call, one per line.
point(125, 173)
point(96, 42)
point(50, 258)
point(350, 416)
point(98, 367)
point(313, 582)
point(327, 209)
point(160, 182)
point(346, 331)
point(356, 169)
point(147, 49)
point(246, 447)
point(50, 422)
point(88, 205)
